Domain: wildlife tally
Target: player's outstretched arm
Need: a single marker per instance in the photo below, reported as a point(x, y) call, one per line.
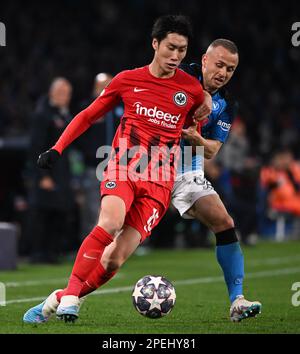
point(81, 122)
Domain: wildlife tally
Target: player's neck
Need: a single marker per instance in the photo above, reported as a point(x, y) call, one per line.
point(207, 88)
point(156, 70)
point(211, 91)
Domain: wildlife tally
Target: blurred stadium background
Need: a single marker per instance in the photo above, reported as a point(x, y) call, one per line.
point(78, 39)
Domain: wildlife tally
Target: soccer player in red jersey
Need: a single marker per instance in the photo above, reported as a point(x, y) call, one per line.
point(158, 99)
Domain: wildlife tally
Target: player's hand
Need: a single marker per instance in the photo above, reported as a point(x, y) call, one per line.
point(204, 110)
point(191, 134)
point(47, 159)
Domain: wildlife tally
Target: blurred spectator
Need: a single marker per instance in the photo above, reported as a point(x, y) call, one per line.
point(38, 50)
point(51, 199)
point(281, 180)
point(77, 38)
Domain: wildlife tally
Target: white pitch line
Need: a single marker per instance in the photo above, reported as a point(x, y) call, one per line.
point(252, 262)
point(16, 284)
point(273, 261)
point(205, 280)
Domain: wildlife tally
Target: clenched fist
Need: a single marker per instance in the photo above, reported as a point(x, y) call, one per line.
point(47, 159)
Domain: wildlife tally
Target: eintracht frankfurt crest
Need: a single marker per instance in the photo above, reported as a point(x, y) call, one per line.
point(110, 185)
point(180, 98)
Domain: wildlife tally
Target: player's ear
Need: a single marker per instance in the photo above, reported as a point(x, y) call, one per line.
point(204, 60)
point(155, 44)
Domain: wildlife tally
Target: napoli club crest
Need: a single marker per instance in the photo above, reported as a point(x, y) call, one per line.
point(180, 98)
point(215, 105)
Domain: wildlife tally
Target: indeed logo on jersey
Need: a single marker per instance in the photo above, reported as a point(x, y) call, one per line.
point(157, 116)
point(224, 126)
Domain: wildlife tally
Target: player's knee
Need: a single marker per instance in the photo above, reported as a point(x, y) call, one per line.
point(112, 225)
point(223, 222)
point(228, 222)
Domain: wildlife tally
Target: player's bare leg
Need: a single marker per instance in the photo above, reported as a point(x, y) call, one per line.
point(121, 249)
point(112, 214)
point(211, 211)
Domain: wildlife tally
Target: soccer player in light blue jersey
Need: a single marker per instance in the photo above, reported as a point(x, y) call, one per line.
point(193, 196)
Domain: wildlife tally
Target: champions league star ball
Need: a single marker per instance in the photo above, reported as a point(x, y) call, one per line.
point(153, 296)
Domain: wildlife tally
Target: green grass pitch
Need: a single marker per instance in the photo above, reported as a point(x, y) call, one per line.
point(202, 304)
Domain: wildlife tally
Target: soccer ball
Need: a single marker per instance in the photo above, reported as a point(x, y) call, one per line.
point(153, 296)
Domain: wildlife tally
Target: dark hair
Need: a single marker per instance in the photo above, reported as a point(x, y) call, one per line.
point(225, 43)
point(171, 24)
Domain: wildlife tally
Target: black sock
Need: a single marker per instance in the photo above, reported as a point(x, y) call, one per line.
point(226, 237)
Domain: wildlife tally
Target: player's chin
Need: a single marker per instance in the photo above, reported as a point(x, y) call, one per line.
point(218, 83)
point(170, 67)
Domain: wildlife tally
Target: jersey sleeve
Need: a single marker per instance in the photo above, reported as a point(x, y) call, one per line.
point(199, 99)
point(109, 97)
point(221, 128)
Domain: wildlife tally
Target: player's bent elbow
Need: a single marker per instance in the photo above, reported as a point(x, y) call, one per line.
point(209, 154)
